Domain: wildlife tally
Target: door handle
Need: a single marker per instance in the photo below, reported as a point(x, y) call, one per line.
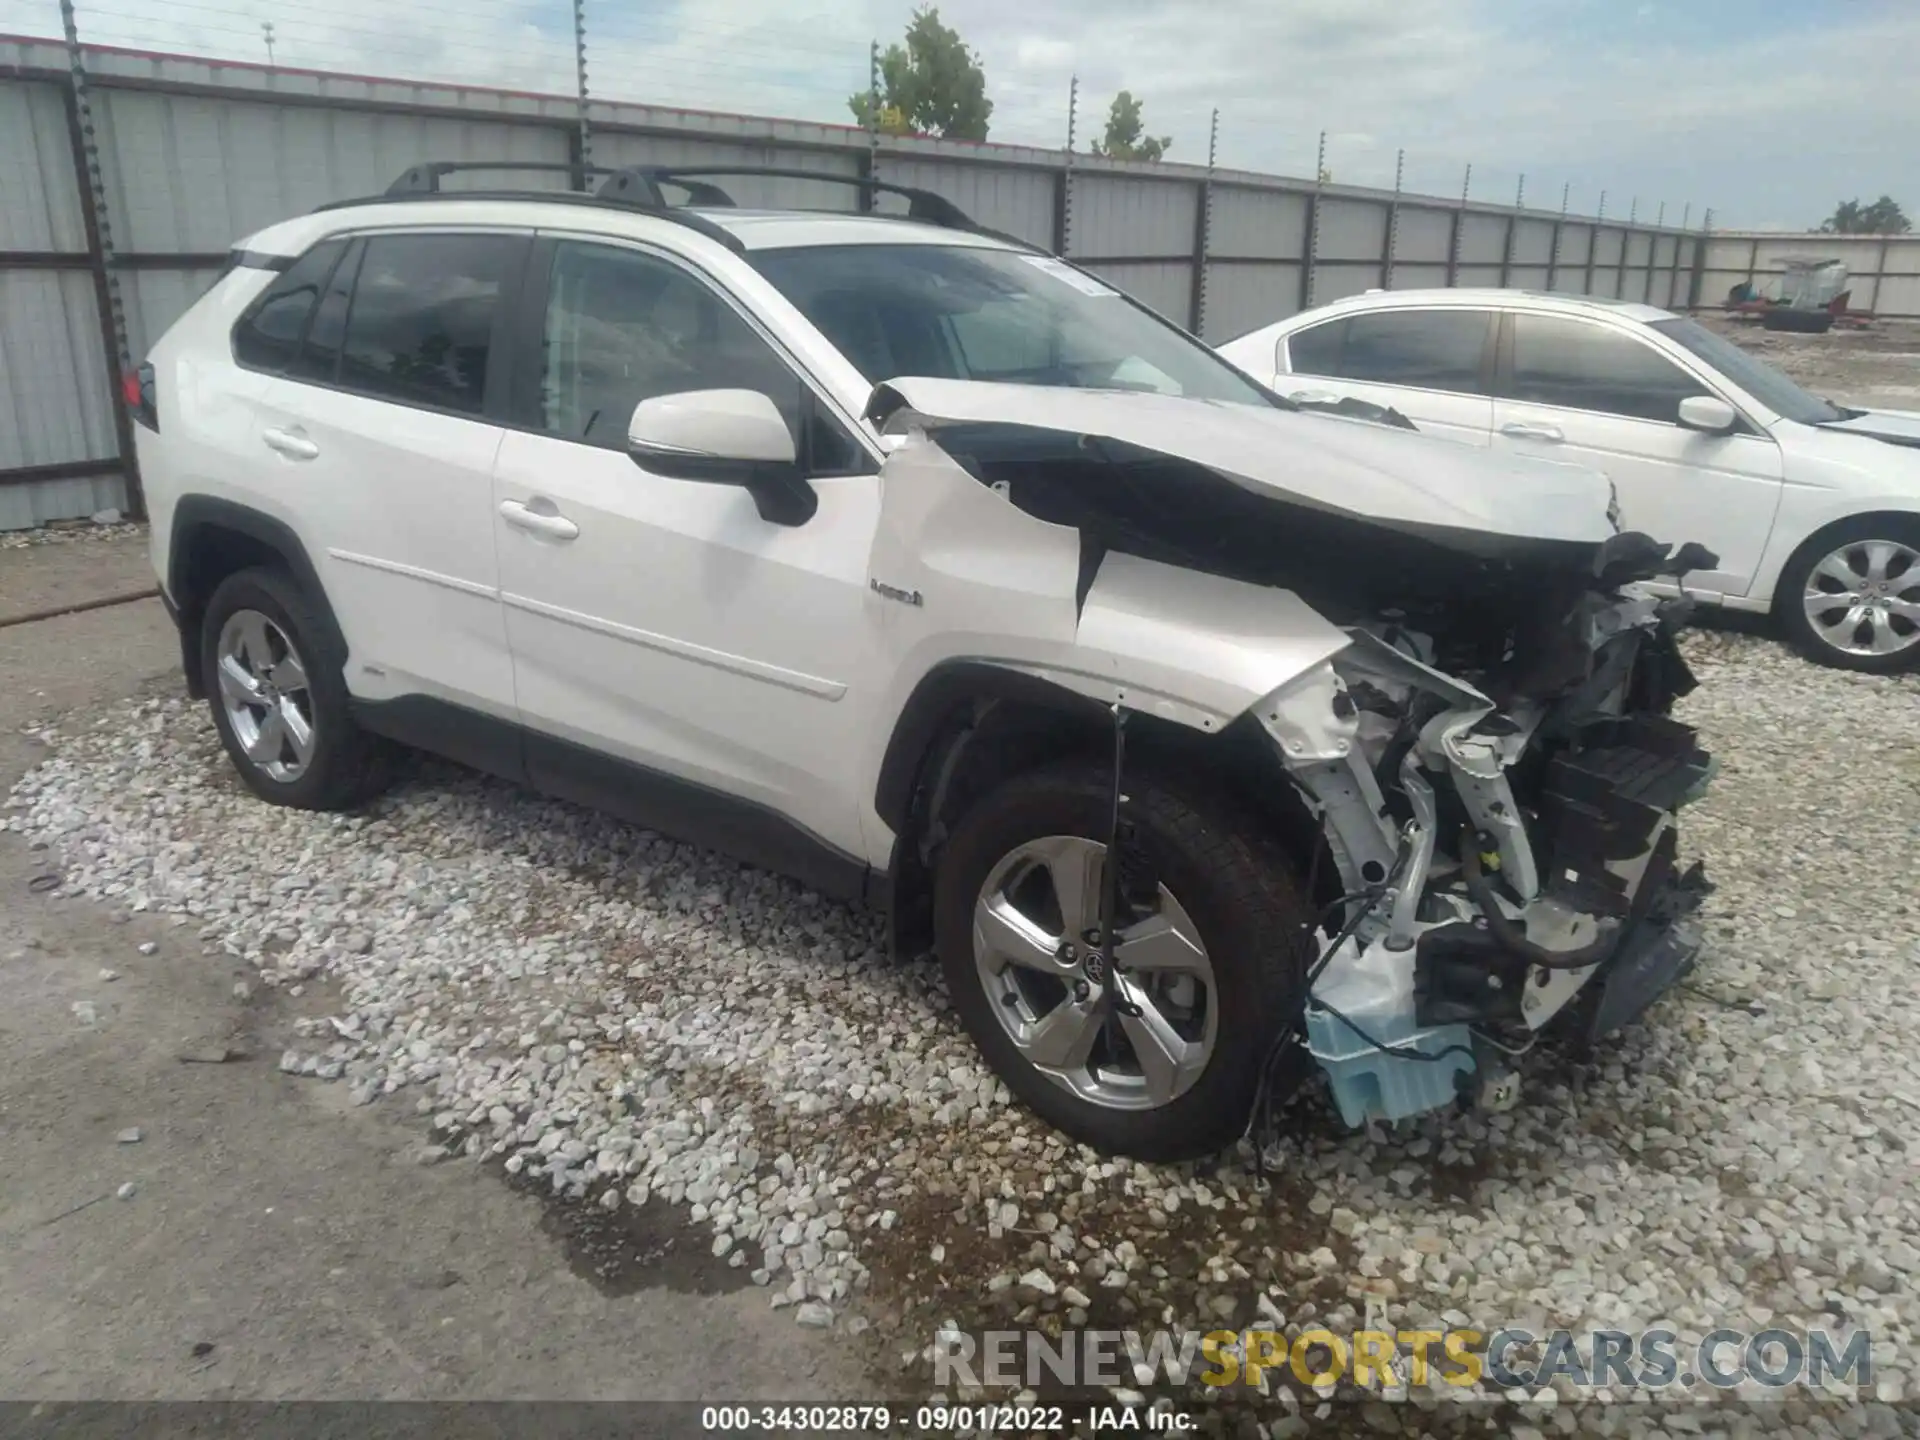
point(1528, 430)
point(290, 443)
point(1314, 397)
point(549, 523)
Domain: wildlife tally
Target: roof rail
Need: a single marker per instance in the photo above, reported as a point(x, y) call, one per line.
point(922, 205)
point(424, 179)
point(422, 182)
point(638, 187)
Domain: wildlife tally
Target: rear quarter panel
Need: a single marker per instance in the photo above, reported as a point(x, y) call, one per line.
point(206, 443)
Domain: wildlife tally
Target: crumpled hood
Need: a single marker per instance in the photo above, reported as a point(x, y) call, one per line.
point(1380, 474)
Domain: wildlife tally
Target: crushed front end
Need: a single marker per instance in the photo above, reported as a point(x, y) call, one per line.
point(1503, 830)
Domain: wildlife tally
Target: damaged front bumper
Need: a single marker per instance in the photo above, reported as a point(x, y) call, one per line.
point(1501, 867)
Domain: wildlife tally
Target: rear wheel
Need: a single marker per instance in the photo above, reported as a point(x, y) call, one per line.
point(1162, 1058)
point(278, 698)
point(1850, 597)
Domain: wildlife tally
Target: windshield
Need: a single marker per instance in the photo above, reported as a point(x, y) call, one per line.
point(970, 313)
point(1750, 373)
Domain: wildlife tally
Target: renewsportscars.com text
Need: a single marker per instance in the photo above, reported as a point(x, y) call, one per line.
point(1506, 1358)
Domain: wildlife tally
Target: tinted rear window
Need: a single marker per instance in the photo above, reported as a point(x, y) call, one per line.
point(270, 331)
point(319, 357)
point(1423, 349)
point(1317, 351)
point(420, 327)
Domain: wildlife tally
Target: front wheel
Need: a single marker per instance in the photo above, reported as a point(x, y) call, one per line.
point(1850, 597)
point(1160, 1059)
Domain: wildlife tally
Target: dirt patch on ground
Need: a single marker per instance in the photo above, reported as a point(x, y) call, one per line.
point(1876, 367)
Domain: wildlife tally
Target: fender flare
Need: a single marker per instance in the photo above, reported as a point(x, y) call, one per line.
point(945, 688)
point(193, 516)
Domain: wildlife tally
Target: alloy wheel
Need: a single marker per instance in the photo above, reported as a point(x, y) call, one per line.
point(1864, 598)
point(1133, 1039)
point(264, 692)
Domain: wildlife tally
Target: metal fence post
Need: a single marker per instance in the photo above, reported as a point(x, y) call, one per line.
point(870, 157)
point(99, 232)
point(1453, 231)
point(1513, 224)
point(1063, 183)
point(1593, 239)
point(1393, 220)
point(1673, 266)
point(1699, 257)
point(1559, 225)
point(1310, 240)
point(585, 130)
point(1203, 228)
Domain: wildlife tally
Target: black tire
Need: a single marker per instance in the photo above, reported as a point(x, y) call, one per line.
point(1235, 883)
point(348, 767)
point(1798, 322)
point(1789, 601)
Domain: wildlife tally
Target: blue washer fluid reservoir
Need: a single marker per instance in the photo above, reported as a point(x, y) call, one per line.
point(1374, 1084)
point(1372, 986)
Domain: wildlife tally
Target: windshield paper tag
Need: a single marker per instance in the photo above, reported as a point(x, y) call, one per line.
point(1084, 283)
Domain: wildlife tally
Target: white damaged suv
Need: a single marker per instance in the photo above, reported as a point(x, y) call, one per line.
point(1204, 738)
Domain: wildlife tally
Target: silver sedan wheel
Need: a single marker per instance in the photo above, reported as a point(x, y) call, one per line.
point(1133, 1040)
point(263, 689)
point(1864, 598)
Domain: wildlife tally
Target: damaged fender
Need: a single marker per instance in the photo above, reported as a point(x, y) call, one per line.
point(1187, 646)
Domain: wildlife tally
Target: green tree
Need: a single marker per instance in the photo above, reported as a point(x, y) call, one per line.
point(932, 86)
point(1124, 140)
point(1883, 217)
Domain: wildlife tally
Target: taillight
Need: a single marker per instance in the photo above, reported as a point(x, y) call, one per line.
point(136, 389)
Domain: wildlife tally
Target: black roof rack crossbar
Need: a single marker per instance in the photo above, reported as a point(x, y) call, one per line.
point(424, 179)
point(922, 205)
point(690, 219)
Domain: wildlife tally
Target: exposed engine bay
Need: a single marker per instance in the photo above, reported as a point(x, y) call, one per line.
point(1490, 755)
point(1507, 865)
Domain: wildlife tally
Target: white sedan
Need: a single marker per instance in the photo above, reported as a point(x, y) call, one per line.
point(1811, 508)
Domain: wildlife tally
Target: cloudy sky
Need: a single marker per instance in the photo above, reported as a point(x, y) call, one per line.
point(1767, 111)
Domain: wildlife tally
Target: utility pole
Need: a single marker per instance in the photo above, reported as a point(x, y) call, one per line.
point(266, 30)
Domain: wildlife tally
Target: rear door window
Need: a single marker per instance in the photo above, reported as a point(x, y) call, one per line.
point(1420, 349)
point(319, 357)
point(1317, 351)
point(1582, 365)
point(420, 326)
point(269, 333)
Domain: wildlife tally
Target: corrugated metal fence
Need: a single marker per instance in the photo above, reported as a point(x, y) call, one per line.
point(197, 153)
point(1883, 271)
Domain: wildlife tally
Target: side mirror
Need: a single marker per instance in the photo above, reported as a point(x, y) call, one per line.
point(1708, 414)
point(724, 437)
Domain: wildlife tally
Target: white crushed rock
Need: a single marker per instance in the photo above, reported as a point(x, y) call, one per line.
point(614, 1014)
point(70, 533)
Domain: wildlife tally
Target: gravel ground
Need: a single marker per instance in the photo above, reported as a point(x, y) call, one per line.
point(72, 532)
point(617, 1018)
